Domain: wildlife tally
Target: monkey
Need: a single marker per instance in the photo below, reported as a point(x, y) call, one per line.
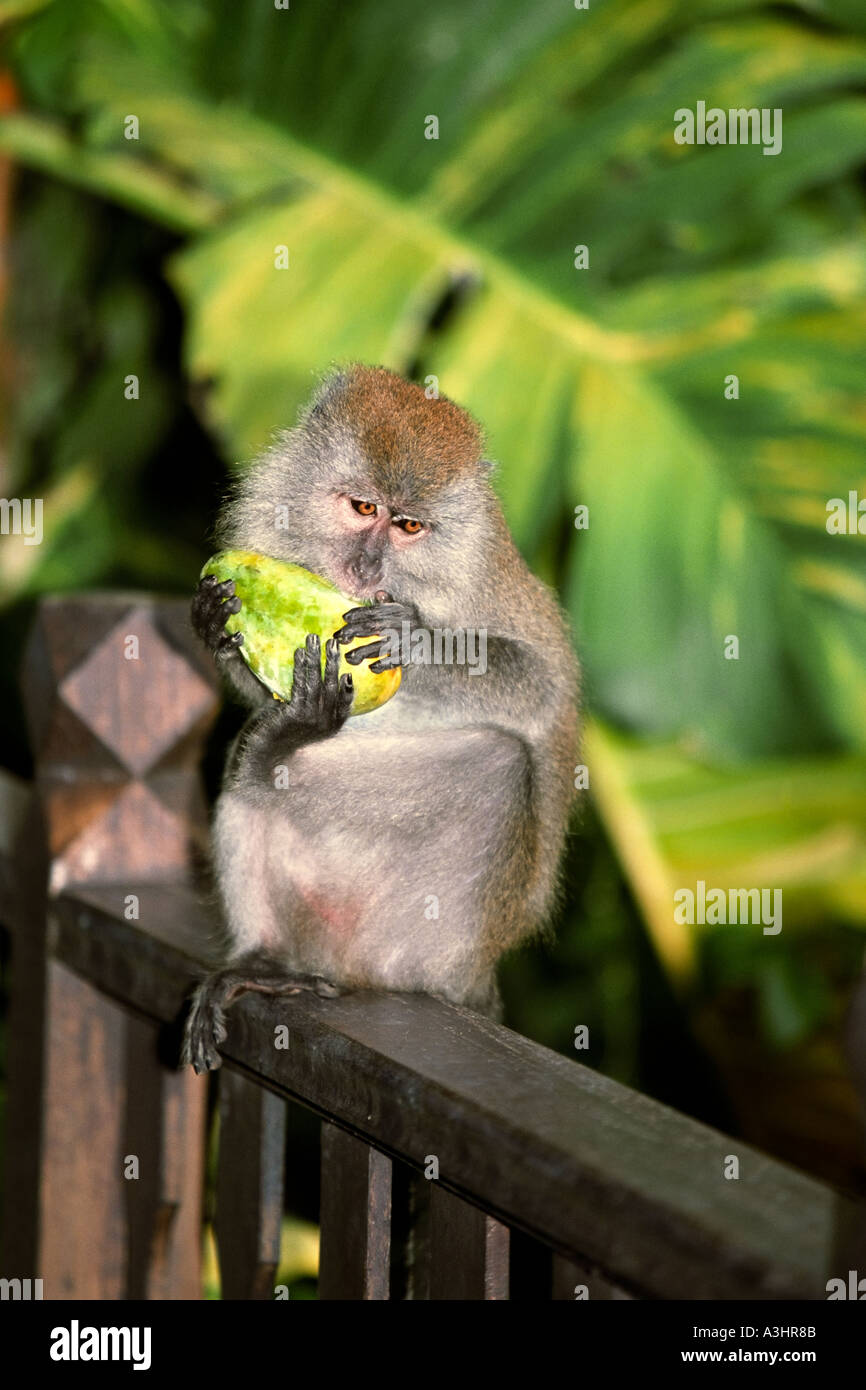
point(409, 847)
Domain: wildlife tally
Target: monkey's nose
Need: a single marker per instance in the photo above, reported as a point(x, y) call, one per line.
point(365, 568)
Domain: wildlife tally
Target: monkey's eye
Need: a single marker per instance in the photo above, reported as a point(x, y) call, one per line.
point(364, 508)
point(410, 525)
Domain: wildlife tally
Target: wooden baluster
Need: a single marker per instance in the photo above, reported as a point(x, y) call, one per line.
point(249, 1206)
point(81, 1251)
point(467, 1250)
point(118, 701)
point(165, 1118)
point(354, 1258)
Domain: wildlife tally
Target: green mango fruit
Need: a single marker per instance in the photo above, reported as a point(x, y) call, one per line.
point(281, 605)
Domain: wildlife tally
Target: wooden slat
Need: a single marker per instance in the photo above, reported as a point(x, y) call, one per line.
point(468, 1250)
point(354, 1259)
point(598, 1172)
point(82, 1219)
point(165, 1130)
point(249, 1198)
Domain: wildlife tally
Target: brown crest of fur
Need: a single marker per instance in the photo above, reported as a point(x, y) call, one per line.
point(410, 436)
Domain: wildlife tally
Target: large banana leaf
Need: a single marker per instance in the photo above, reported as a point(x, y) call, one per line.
point(605, 387)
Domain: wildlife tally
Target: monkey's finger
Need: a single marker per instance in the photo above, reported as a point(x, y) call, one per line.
point(300, 698)
point(369, 622)
point(313, 645)
point(331, 682)
point(226, 589)
point(351, 620)
point(332, 659)
point(231, 644)
point(363, 626)
point(345, 697)
point(359, 654)
point(211, 607)
point(387, 663)
point(306, 701)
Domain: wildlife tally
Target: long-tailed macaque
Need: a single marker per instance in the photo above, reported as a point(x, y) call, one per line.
point(406, 848)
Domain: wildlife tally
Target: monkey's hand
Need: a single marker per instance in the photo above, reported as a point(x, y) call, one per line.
point(384, 621)
point(212, 605)
point(319, 706)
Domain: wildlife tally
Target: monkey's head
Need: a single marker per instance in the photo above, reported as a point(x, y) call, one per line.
point(379, 489)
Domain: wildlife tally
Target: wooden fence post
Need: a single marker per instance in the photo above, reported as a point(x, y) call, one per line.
point(118, 702)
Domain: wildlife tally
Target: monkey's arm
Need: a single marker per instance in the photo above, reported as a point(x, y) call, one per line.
point(318, 708)
point(521, 687)
point(246, 688)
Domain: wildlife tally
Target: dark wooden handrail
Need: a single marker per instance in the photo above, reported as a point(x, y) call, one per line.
point(629, 1196)
point(603, 1175)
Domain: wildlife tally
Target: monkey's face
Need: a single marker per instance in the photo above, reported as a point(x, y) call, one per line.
point(419, 545)
point(379, 491)
point(374, 538)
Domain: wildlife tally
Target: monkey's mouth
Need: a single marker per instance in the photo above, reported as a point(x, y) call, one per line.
point(363, 592)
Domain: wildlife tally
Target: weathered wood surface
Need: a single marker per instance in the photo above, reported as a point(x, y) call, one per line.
point(249, 1199)
point(355, 1218)
point(164, 1130)
point(118, 701)
point(82, 1240)
point(467, 1250)
point(603, 1175)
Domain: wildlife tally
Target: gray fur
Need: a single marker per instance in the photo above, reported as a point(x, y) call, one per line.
point(413, 845)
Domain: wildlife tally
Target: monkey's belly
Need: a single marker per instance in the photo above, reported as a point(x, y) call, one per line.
point(379, 865)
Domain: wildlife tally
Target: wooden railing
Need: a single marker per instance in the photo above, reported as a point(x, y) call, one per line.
point(105, 1158)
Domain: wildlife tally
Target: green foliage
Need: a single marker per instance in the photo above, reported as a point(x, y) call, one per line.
point(604, 387)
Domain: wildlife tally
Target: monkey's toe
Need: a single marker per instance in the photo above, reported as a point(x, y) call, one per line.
point(205, 1030)
point(325, 989)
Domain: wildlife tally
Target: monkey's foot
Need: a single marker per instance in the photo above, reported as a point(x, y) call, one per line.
point(205, 1030)
point(206, 1027)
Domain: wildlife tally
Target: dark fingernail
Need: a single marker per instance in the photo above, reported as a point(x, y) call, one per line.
point(350, 684)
